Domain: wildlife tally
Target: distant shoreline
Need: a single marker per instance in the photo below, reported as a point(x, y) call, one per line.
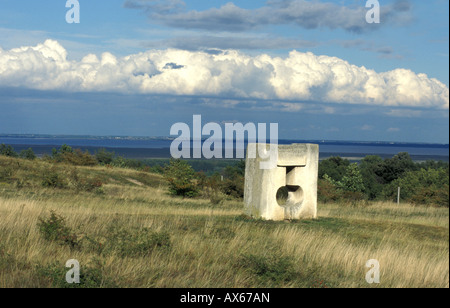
point(164, 153)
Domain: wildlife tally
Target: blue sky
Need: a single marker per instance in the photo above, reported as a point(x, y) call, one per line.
point(136, 67)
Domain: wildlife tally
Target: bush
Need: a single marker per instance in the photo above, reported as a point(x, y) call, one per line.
point(91, 276)
point(73, 157)
point(84, 184)
point(134, 243)
point(428, 187)
point(54, 229)
point(269, 269)
point(181, 178)
point(52, 179)
point(7, 151)
point(234, 180)
point(393, 168)
point(334, 167)
point(370, 167)
point(327, 192)
point(27, 154)
point(229, 183)
point(104, 158)
point(352, 181)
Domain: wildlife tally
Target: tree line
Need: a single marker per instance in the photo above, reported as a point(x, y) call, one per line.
point(376, 179)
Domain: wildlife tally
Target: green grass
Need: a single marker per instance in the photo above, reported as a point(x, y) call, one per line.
point(132, 233)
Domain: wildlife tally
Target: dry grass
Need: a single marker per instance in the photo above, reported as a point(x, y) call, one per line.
point(215, 246)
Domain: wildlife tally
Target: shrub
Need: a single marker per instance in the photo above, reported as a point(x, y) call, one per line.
point(334, 167)
point(91, 276)
point(73, 157)
point(269, 269)
point(370, 168)
point(27, 154)
point(83, 183)
point(104, 158)
point(7, 150)
point(54, 229)
point(349, 189)
point(395, 167)
point(327, 191)
point(230, 182)
point(135, 243)
point(51, 178)
point(428, 187)
point(352, 181)
point(216, 199)
point(181, 178)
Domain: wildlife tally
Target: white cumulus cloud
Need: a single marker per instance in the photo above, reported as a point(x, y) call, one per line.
point(231, 74)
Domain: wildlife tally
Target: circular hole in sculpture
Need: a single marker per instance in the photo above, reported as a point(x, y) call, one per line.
point(290, 196)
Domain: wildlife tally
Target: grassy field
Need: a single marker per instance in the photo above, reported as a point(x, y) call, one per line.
point(128, 232)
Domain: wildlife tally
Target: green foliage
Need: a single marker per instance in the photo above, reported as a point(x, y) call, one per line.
point(373, 184)
point(52, 179)
point(55, 229)
point(91, 276)
point(27, 154)
point(181, 178)
point(104, 157)
point(394, 168)
point(73, 157)
point(429, 187)
point(229, 183)
point(378, 179)
point(327, 191)
point(121, 162)
point(135, 242)
point(352, 181)
point(270, 270)
point(349, 189)
point(87, 184)
point(7, 150)
point(234, 180)
point(334, 167)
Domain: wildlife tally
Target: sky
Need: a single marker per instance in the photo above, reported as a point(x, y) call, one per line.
point(317, 67)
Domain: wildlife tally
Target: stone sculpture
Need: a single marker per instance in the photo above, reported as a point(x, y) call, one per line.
point(296, 171)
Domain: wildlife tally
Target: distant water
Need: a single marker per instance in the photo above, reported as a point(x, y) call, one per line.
point(154, 147)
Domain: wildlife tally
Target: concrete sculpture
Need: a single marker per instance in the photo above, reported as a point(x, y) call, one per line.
point(296, 171)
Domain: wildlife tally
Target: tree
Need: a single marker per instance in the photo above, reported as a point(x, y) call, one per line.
point(334, 167)
point(373, 184)
point(430, 187)
point(234, 180)
point(181, 178)
point(352, 181)
point(393, 168)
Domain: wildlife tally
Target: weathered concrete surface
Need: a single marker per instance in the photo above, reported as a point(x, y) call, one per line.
point(297, 169)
